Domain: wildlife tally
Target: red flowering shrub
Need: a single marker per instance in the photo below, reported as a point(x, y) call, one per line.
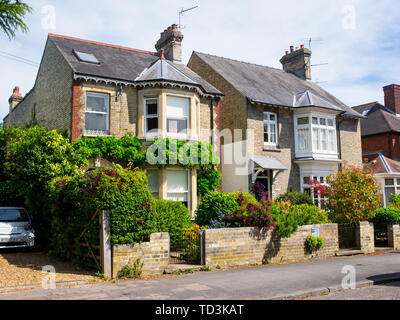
point(352, 195)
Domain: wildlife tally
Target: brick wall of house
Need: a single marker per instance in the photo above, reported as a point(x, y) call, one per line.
point(232, 111)
point(49, 104)
point(284, 152)
point(250, 246)
point(350, 135)
point(388, 143)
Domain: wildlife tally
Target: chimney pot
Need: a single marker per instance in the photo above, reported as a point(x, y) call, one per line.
point(302, 46)
point(286, 52)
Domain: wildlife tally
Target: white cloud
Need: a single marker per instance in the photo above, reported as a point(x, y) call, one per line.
point(361, 61)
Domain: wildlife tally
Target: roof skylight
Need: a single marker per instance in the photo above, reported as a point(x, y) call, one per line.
point(86, 57)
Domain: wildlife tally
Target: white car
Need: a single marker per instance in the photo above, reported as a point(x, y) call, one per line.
point(16, 229)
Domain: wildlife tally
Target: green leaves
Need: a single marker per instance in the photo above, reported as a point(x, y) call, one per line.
point(12, 15)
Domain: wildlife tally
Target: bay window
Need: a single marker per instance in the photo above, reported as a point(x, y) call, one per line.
point(97, 114)
point(270, 129)
point(178, 185)
point(315, 134)
point(308, 185)
point(178, 111)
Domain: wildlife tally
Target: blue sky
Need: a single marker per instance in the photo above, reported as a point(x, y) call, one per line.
point(361, 38)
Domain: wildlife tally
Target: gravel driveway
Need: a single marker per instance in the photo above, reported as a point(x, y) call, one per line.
point(19, 268)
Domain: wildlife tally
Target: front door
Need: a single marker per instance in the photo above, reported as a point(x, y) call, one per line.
point(263, 178)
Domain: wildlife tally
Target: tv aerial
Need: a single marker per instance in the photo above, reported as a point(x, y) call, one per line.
point(181, 13)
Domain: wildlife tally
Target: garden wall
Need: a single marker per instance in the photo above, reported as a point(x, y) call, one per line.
point(394, 236)
point(251, 246)
point(153, 254)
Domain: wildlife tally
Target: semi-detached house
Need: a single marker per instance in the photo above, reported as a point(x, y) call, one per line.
point(96, 89)
point(297, 131)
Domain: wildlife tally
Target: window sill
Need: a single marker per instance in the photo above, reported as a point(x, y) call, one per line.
point(271, 148)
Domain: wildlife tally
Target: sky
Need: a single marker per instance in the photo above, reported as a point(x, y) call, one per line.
point(356, 41)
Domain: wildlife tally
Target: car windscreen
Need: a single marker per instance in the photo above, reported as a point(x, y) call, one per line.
point(13, 215)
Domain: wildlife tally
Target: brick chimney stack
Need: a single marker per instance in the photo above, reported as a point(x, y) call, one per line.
point(392, 97)
point(298, 62)
point(171, 41)
point(15, 98)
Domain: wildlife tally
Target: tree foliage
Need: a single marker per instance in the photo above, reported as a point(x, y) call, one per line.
point(12, 14)
point(353, 195)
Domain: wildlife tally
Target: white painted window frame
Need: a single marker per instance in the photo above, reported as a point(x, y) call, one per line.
point(314, 149)
point(178, 191)
point(106, 97)
point(150, 116)
point(395, 186)
point(181, 136)
point(269, 123)
point(307, 186)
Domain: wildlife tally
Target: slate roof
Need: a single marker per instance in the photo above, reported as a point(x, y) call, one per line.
point(379, 119)
point(121, 63)
point(269, 85)
point(383, 164)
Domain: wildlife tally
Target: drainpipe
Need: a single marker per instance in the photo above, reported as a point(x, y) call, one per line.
point(212, 121)
point(339, 142)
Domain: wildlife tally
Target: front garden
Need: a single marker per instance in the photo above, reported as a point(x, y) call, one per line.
point(48, 175)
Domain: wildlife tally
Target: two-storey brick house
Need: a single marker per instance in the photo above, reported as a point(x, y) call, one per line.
point(90, 89)
point(296, 131)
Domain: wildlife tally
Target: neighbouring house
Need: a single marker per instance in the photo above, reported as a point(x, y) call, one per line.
point(300, 132)
point(380, 134)
point(95, 89)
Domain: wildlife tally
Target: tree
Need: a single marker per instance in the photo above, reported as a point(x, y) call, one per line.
point(12, 15)
point(353, 195)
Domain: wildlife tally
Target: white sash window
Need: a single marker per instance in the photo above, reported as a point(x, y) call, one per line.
point(178, 112)
point(97, 115)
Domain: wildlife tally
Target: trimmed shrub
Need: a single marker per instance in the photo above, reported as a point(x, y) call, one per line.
point(286, 222)
point(211, 204)
point(296, 198)
point(171, 216)
point(313, 243)
point(308, 214)
point(383, 217)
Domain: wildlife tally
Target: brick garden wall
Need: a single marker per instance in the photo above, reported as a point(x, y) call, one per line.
point(153, 254)
point(394, 236)
point(250, 246)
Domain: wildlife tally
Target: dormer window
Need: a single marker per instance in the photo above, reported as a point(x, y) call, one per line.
point(86, 57)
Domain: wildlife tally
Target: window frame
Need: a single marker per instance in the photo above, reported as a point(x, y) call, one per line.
point(156, 173)
point(187, 118)
point(108, 105)
point(395, 186)
point(151, 116)
point(315, 146)
point(304, 186)
point(269, 123)
point(188, 171)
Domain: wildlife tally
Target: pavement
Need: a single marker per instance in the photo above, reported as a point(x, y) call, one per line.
point(388, 291)
point(288, 281)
